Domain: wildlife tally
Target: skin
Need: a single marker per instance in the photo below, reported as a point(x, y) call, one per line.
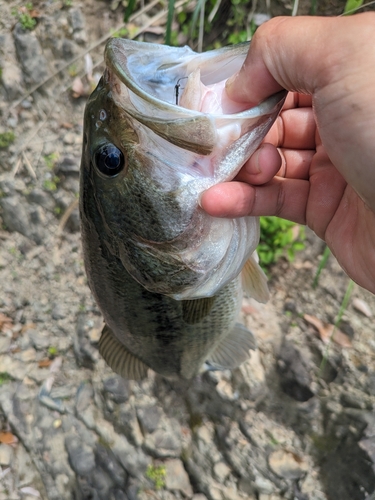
point(317, 165)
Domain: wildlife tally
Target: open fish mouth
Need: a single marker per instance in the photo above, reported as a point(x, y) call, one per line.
point(155, 76)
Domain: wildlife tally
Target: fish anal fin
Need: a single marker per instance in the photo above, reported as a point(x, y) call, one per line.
point(233, 350)
point(194, 311)
point(254, 280)
point(121, 361)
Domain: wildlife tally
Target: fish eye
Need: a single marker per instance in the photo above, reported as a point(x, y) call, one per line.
point(109, 160)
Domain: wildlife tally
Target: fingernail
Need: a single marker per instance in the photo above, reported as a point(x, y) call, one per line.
point(252, 166)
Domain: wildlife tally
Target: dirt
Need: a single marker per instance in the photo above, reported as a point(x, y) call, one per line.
point(296, 421)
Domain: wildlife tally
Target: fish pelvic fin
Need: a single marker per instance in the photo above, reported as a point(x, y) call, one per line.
point(254, 280)
point(233, 350)
point(194, 311)
point(121, 361)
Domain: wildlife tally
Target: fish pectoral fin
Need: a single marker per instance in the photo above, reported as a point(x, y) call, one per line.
point(121, 361)
point(254, 280)
point(193, 311)
point(233, 350)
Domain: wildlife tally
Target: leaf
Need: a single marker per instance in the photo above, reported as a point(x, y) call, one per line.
point(5, 323)
point(45, 363)
point(8, 438)
point(352, 5)
point(328, 332)
point(169, 22)
point(362, 307)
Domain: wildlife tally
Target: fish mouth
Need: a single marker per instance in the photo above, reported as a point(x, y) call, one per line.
point(148, 78)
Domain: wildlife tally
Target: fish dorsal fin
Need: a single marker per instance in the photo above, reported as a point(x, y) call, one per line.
point(193, 311)
point(254, 281)
point(233, 350)
point(192, 94)
point(119, 358)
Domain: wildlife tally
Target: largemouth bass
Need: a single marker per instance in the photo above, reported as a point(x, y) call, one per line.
point(159, 129)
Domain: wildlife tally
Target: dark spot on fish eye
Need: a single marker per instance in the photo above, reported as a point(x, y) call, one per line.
point(109, 160)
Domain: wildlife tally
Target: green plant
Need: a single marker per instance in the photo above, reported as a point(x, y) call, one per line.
point(278, 238)
point(343, 306)
point(6, 139)
point(157, 475)
point(322, 263)
point(352, 5)
point(52, 352)
point(51, 184)
point(51, 160)
point(25, 16)
point(5, 377)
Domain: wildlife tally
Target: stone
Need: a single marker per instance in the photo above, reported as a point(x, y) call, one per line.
point(40, 340)
point(117, 388)
point(68, 165)
point(149, 418)
point(30, 56)
point(176, 477)
point(42, 198)
point(221, 471)
point(11, 80)
point(23, 218)
point(107, 461)
point(294, 372)
point(287, 464)
point(85, 354)
point(164, 442)
point(6, 454)
point(81, 456)
point(84, 396)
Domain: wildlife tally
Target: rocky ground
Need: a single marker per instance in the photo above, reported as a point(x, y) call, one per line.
point(296, 421)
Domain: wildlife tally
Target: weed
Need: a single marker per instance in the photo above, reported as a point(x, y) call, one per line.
point(52, 352)
point(25, 16)
point(352, 5)
point(343, 306)
point(157, 475)
point(278, 239)
point(5, 377)
point(73, 70)
point(51, 160)
point(121, 33)
point(51, 184)
point(6, 139)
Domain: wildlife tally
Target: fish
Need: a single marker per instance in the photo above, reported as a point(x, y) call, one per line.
point(159, 129)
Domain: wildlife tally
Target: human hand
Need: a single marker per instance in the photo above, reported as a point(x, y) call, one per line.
point(323, 172)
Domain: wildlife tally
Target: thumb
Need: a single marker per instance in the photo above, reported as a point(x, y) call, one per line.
point(293, 53)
